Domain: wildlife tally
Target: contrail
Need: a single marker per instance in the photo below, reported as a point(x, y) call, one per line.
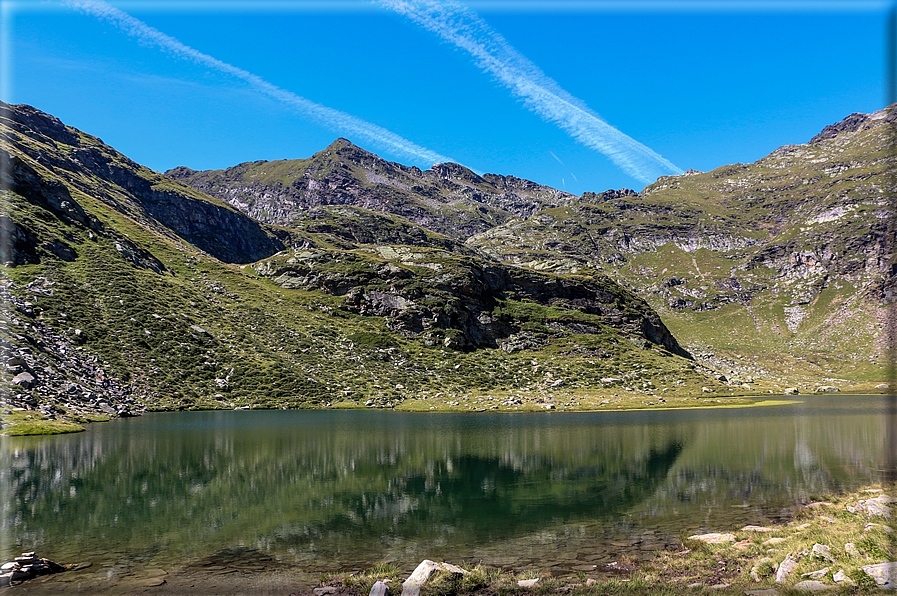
point(461, 26)
point(339, 121)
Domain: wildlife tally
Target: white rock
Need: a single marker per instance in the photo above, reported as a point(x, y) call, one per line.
point(757, 529)
point(884, 574)
point(818, 574)
point(851, 549)
point(528, 583)
point(379, 589)
point(772, 541)
point(418, 577)
point(785, 569)
point(842, 578)
point(714, 538)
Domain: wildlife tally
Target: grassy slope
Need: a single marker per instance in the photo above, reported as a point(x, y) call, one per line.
point(684, 241)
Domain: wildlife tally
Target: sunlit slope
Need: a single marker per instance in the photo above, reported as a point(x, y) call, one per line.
point(447, 198)
point(762, 263)
point(125, 270)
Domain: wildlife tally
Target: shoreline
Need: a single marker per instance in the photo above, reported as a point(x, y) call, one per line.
point(37, 427)
point(836, 539)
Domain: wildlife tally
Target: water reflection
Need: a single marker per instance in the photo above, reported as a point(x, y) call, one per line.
point(318, 487)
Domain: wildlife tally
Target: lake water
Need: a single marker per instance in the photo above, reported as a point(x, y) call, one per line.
point(318, 491)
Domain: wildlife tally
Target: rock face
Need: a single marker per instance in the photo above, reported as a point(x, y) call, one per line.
point(463, 302)
point(448, 198)
point(67, 159)
point(796, 242)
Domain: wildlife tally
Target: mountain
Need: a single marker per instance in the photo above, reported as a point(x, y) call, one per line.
point(448, 198)
point(782, 268)
point(128, 290)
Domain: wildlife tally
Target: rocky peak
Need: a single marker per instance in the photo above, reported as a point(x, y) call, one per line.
point(856, 122)
point(454, 171)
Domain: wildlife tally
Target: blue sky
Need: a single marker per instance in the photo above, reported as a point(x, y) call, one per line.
point(579, 95)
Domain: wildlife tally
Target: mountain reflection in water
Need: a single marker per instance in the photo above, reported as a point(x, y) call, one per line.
point(321, 486)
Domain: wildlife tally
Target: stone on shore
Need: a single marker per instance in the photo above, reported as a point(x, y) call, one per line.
point(877, 507)
point(412, 585)
point(714, 538)
point(379, 589)
point(528, 583)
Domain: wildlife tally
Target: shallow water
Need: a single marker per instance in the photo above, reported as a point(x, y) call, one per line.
point(310, 491)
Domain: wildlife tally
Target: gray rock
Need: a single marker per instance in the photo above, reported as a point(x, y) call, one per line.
point(812, 586)
point(841, 578)
point(25, 380)
point(325, 590)
point(877, 507)
point(379, 589)
point(818, 574)
point(884, 574)
point(757, 529)
point(785, 569)
point(827, 389)
point(823, 552)
point(412, 585)
point(714, 538)
point(851, 549)
point(767, 592)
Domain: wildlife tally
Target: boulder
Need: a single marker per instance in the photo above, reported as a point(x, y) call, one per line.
point(877, 507)
point(827, 389)
point(379, 589)
point(714, 538)
point(25, 380)
point(785, 569)
point(841, 578)
point(412, 585)
point(822, 552)
point(884, 574)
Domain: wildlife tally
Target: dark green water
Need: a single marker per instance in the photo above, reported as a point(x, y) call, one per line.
point(339, 490)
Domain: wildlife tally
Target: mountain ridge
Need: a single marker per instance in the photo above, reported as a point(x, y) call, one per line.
point(185, 302)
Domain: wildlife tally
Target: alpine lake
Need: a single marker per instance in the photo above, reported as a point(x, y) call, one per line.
point(233, 495)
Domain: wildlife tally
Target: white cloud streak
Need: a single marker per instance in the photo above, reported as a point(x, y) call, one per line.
point(462, 27)
point(340, 122)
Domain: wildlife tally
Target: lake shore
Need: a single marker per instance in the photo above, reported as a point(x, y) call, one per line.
point(835, 539)
point(24, 423)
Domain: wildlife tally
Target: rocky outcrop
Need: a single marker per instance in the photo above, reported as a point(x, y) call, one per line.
point(461, 302)
point(59, 159)
point(448, 198)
